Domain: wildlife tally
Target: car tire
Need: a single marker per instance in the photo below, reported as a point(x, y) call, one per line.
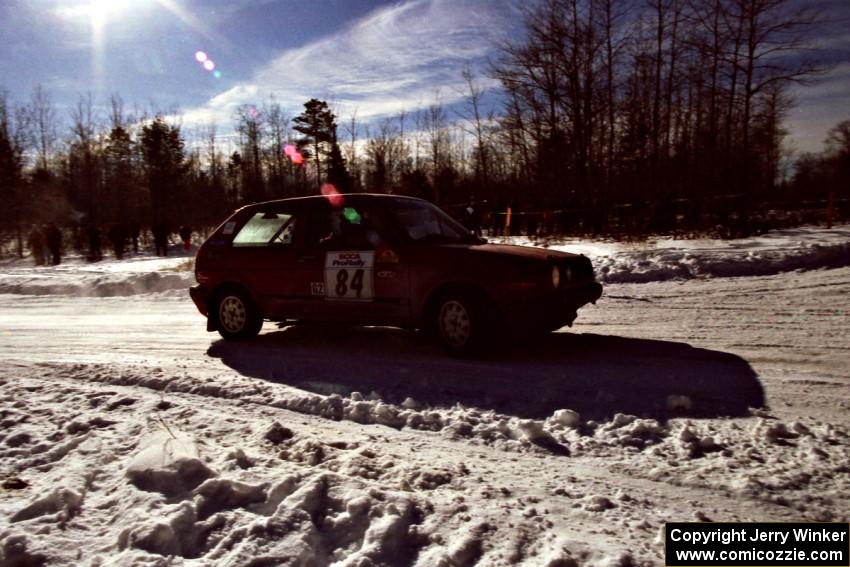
point(460, 323)
point(237, 316)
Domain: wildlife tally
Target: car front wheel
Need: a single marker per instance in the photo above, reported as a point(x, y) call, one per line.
point(237, 316)
point(459, 324)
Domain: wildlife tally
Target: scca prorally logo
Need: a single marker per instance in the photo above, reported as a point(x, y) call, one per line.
point(348, 260)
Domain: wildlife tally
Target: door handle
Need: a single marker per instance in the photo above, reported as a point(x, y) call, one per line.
point(303, 259)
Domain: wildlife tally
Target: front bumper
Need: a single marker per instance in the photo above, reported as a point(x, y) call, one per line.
point(582, 295)
point(200, 296)
point(555, 309)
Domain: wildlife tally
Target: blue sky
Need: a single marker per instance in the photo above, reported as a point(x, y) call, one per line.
point(373, 56)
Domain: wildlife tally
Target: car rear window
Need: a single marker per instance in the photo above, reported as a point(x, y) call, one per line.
point(266, 228)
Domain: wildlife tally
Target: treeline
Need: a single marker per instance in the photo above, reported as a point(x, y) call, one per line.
point(825, 176)
point(114, 178)
point(612, 118)
point(660, 117)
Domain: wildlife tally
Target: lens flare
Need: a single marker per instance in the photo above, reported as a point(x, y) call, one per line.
point(293, 154)
point(217, 74)
point(351, 215)
point(209, 65)
point(334, 197)
point(200, 56)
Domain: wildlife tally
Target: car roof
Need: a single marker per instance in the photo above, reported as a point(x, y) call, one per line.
point(356, 196)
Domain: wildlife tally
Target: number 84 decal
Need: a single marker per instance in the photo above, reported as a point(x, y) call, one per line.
point(349, 275)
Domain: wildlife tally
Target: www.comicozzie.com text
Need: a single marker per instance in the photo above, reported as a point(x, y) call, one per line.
point(727, 536)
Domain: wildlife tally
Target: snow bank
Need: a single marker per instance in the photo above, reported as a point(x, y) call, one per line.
point(565, 433)
point(119, 467)
point(97, 286)
point(656, 259)
point(108, 278)
point(660, 259)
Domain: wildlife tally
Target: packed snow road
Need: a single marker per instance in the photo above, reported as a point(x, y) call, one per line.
point(131, 436)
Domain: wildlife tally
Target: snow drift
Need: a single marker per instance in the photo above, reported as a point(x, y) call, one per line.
point(660, 259)
point(109, 278)
point(656, 259)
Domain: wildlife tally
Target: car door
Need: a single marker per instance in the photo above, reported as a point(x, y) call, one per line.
point(350, 267)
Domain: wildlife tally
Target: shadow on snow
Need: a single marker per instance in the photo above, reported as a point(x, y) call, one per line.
point(596, 375)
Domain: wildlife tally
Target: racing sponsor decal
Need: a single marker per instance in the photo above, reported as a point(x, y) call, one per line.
point(317, 288)
point(228, 228)
point(387, 257)
point(349, 275)
point(387, 274)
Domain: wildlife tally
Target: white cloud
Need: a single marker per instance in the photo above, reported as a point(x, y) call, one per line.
point(820, 107)
point(396, 58)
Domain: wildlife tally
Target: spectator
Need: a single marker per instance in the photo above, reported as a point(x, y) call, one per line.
point(135, 230)
point(95, 246)
point(118, 238)
point(186, 236)
point(160, 239)
point(54, 244)
point(37, 243)
point(472, 217)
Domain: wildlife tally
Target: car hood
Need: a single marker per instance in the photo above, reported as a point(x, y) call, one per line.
point(528, 252)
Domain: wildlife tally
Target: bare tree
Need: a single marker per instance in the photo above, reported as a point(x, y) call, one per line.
point(42, 118)
point(438, 140)
point(381, 155)
point(350, 149)
point(84, 157)
point(771, 29)
point(249, 125)
point(479, 126)
point(278, 133)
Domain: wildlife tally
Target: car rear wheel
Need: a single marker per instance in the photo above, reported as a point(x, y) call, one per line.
point(459, 324)
point(237, 316)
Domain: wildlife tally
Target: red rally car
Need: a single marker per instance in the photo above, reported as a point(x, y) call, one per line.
point(381, 260)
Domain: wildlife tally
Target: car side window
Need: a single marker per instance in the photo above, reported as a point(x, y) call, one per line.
point(423, 222)
point(348, 227)
point(267, 228)
point(286, 233)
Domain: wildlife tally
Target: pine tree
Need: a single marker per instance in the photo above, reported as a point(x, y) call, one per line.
point(163, 154)
point(11, 172)
point(318, 124)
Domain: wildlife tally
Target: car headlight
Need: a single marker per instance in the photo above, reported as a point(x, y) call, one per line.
point(556, 277)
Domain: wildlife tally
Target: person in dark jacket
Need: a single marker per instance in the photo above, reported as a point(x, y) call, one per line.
point(186, 236)
point(118, 238)
point(160, 239)
point(37, 244)
point(472, 217)
point(54, 244)
point(135, 232)
point(95, 245)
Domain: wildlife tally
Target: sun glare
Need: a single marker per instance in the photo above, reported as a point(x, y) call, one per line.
point(100, 15)
point(91, 9)
point(101, 11)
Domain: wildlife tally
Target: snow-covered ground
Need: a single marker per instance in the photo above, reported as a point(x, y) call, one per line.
point(663, 258)
point(108, 278)
point(130, 436)
point(653, 259)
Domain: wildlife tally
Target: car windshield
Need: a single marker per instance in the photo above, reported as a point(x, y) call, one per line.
point(423, 222)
